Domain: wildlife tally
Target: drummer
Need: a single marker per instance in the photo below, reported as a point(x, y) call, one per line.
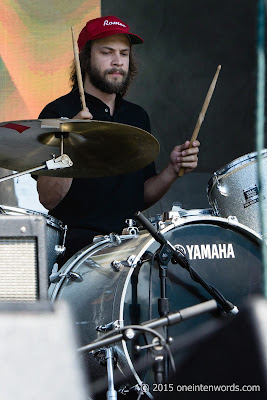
point(93, 206)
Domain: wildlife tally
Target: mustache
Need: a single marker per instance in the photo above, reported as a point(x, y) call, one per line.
point(112, 70)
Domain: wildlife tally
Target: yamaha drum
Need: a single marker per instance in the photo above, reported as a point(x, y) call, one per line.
point(115, 282)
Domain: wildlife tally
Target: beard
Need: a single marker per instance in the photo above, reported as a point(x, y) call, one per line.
point(101, 81)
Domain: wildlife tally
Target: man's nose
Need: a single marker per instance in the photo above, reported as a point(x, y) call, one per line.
point(117, 59)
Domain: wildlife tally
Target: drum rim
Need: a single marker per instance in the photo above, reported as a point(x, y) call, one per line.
point(237, 162)
point(229, 221)
point(50, 220)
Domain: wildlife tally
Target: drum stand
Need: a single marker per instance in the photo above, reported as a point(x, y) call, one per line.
point(111, 393)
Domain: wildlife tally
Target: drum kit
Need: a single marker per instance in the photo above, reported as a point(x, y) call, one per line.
point(125, 290)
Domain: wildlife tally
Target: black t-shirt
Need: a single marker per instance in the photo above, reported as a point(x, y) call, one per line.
point(101, 205)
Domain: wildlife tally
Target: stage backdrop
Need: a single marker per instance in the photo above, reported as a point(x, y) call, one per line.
point(36, 51)
point(35, 55)
point(184, 42)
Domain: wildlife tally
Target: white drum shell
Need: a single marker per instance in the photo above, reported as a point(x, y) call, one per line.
point(104, 295)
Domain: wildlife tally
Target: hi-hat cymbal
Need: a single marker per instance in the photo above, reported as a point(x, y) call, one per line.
point(96, 148)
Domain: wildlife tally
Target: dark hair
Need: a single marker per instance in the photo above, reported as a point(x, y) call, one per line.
point(85, 60)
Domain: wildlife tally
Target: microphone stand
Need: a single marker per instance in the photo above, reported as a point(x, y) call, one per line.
point(130, 332)
point(170, 319)
point(161, 365)
point(178, 258)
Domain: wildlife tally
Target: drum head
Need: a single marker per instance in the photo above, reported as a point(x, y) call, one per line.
point(225, 256)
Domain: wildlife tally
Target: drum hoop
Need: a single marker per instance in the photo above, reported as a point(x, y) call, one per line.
point(50, 220)
point(233, 166)
point(230, 221)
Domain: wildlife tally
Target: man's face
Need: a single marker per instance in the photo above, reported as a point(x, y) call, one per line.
point(109, 69)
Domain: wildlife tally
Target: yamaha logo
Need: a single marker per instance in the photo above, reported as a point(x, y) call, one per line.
point(207, 251)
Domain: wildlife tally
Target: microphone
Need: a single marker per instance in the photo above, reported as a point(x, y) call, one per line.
point(179, 258)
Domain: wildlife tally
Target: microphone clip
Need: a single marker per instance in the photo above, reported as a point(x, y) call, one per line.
point(165, 255)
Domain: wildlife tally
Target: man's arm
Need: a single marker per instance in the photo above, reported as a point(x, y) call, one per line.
point(52, 190)
point(158, 185)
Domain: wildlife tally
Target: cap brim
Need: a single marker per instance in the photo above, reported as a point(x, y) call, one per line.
point(133, 38)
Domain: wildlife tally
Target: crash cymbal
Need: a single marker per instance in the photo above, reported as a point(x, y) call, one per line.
point(96, 148)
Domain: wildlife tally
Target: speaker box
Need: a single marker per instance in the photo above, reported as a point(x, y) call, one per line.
point(38, 358)
point(23, 258)
point(230, 361)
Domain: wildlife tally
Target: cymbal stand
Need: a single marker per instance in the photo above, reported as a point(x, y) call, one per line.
point(63, 161)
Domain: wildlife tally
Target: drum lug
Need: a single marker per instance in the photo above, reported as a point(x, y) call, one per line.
point(60, 249)
point(115, 325)
point(232, 219)
point(131, 260)
point(56, 276)
point(116, 265)
point(132, 229)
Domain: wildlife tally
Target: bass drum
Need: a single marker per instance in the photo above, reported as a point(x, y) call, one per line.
point(225, 253)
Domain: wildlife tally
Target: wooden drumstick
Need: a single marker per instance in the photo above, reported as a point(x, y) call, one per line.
point(203, 112)
point(78, 70)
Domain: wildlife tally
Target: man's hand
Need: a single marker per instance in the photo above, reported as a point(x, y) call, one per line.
point(84, 114)
point(183, 156)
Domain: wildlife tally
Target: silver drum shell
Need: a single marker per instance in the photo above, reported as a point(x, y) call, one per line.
point(234, 191)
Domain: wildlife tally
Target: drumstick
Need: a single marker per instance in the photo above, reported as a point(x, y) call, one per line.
point(78, 70)
point(203, 112)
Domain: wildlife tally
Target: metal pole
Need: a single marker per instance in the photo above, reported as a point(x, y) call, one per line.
point(260, 117)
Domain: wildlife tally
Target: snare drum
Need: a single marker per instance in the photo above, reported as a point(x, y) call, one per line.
point(54, 232)
point(234, 190)
point(117, 280)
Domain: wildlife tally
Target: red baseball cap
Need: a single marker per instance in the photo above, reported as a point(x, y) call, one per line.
point(105, 26)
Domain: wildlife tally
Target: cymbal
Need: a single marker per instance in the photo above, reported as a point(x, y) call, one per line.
point(96, 148)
